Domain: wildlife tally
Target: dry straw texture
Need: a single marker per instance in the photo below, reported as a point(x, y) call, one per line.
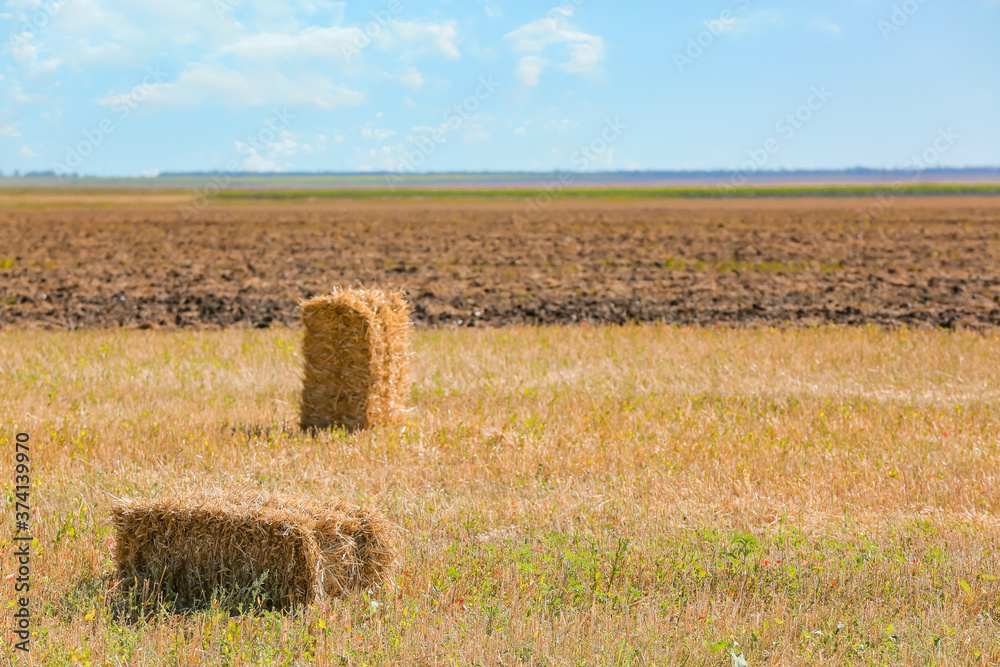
point(284, 550)
point(569, 495)
point(357, 359)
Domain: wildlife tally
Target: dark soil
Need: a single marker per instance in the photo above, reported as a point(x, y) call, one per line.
point(930, 262)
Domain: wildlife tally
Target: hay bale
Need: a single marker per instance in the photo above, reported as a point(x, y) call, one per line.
point(284, 550)
point(356, 542)
point(372, 551)
point(356, 358)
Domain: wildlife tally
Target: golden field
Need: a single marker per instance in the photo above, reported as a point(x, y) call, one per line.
point(584, 495)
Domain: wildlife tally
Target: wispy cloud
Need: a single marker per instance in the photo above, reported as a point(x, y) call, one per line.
point(272, 156)
point(334, 42)
point(412, 78)
point(585, 51)
point(214, 81)
point(755, 21)
point(369, 131)
point(414, 37)
point(529, 68)
point(561, 125)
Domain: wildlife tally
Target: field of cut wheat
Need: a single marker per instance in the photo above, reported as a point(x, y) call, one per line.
point(602, 495)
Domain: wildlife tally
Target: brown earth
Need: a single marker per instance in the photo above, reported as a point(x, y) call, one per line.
point(103, 262)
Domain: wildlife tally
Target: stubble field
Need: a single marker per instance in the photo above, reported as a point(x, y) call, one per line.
point(594, 494)
point(623, 495)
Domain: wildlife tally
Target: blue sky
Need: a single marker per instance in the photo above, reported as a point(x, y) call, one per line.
point(134, 87)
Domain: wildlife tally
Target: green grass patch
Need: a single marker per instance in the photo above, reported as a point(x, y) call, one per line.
point(610, 193)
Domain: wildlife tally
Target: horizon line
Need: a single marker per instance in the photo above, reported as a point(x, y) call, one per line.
point(635, 173)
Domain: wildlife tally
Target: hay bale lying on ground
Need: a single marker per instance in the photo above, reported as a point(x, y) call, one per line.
point(248, 548)
point(357, 546)
point(357, 358)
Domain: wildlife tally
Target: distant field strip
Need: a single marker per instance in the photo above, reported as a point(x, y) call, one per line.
point(611, 193)
point(291, 191)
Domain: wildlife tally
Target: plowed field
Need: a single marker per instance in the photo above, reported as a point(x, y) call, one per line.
point(134, 262)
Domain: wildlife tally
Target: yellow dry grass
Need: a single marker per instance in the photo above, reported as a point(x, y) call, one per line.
point(356, 358)
point(637, 495)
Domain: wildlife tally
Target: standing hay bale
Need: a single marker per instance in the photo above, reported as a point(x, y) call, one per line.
point(248, 549)
point(357, 358)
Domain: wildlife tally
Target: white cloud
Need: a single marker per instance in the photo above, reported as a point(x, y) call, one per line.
point(47, 66)
point(436, 37)
point(152, 97)
point(313, 42)
point(9, 131)
point(562, 125)
point(826, 25)
point(584, 58)
point(254, 161)
point(26, 151)
point(529, 68)
point(317, 6)
point(24, 52)
point(585, 51)
point(412, 78)
point(15, 92)
point(149, 173)
point(80, 33)
point(284, 145)
point(105, 53)
point(383, 158)
point(345, 43)
point(369, 131)
point(288, 143)
point(752, 22)
point(87, 32)
point(266, 157)
point(493, 11)
point(318, 147)
point(201, 81)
